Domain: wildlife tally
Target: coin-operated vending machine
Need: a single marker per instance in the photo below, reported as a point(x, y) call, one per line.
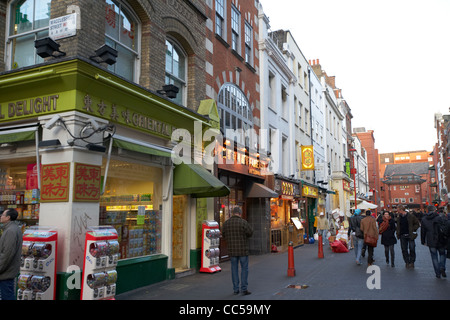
point(101, 255)
point(38, 264)
point(210, 247)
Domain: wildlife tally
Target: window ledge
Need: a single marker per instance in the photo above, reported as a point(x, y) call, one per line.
point(222, 40)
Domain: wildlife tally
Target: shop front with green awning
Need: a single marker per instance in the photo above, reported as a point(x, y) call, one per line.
point(196, 181)
point(78, 90)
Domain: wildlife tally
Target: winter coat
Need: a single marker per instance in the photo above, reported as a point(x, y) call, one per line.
point(322, 223)
point(369, 226)
point(388, 236)
point(236, 232)
point(413, 225)
point(429, 230)
point(355, 226)
point(10, 251)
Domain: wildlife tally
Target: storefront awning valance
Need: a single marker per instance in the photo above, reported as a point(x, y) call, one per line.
point(16, 135)
point(136, 146)
point(198, 182)
point(258, 190)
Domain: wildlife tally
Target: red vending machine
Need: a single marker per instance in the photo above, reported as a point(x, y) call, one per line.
point(101, 255)
point(210, 247)
point(38, 264)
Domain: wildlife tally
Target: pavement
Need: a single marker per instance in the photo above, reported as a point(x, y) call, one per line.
point(336, 276)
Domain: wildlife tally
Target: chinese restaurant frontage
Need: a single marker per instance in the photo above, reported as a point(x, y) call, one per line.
point(81, 147)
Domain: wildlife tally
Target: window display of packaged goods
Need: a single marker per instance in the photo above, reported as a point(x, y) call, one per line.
point(132, 205)
point(19, 190)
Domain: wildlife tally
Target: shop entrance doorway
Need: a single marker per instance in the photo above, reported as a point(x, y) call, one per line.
point(179, 233)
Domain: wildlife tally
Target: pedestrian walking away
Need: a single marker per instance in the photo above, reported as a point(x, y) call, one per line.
point(387, 231)
point(407, 225)
point(369, 229)
point(357, 235)
point(430, 236)
point(236, 232)
point(322, 227)
point(10, 253)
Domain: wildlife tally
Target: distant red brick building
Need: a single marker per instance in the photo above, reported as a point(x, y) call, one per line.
point(367, 139)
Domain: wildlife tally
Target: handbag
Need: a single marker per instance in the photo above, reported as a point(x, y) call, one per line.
point(370, 240)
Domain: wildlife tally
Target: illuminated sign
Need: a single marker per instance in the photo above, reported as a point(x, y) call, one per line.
point(307, 158)
point(308, 191)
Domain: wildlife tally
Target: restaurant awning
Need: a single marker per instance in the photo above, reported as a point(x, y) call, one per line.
point(138, 146)
point(17, 134)
point(258, 190)
point(198, 182)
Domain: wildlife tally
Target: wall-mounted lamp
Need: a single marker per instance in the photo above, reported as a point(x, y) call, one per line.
point(169, 90)
point(95, 147)
point(45, 48)
point(105, 54)
point(49, 143)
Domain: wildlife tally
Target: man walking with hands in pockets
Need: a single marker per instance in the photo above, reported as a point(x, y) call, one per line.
point(236, 232)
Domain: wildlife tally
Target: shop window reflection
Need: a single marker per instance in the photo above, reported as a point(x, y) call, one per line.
point(132, 205)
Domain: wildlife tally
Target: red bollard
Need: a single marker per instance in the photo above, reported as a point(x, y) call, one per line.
point(320, 247)
point(291, 268)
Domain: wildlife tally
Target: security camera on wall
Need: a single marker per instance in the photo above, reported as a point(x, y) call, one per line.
point(52, 122)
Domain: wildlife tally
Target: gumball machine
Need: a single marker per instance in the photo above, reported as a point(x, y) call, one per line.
point(100, 261)
point(38, 264)
point(210, 247)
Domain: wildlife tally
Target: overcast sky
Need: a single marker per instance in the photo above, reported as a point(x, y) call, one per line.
point(390, 58)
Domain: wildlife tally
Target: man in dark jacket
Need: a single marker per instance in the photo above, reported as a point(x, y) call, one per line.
point(10, 252)
point(430, 237)
point(407, 225)
point(236, 232)
point(358, 236)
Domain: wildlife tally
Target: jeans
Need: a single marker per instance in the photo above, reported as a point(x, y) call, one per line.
point(358, 243)
point(438, 258)
point(390, 249)
point(243, 261)
point(409, 256)
point(7, 289)
point(323, 233)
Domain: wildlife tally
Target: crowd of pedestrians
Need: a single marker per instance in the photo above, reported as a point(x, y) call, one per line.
point(401, 226)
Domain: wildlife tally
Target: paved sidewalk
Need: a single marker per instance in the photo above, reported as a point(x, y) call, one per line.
point(335, 277)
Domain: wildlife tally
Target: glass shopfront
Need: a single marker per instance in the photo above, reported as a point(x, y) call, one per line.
point(132, 204)
point(19, 189)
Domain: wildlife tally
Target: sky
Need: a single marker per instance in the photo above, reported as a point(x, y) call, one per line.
point(391, 58)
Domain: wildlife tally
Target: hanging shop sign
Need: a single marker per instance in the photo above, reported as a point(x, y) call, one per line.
point(87, 183)
point(307, 158)
point(311, 192)
point(346, 186)
point(55, 182)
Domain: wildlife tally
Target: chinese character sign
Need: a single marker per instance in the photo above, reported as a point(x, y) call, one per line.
point(55, 182)
point(307, 158)
point(87, 182)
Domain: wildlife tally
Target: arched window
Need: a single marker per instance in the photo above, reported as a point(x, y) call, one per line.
point(234, 110)
point(122, 35)
point(29, 21)
point(176, 69)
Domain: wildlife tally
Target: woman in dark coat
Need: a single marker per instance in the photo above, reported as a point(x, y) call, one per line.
point(388, 238)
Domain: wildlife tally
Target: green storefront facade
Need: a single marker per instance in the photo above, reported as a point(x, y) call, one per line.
point(141, 124)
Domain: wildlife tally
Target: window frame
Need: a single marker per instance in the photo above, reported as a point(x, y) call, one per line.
point(225, 103)
point(248, 40)
point(129, 14)
point(235, 29)
point(10, 37)
point(220, 23)
point(183, 90)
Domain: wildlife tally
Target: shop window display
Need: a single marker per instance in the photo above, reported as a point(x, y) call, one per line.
point(19, 190)
point(132, 204)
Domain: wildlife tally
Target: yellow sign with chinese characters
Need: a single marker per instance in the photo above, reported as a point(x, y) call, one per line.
point(307, 158)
